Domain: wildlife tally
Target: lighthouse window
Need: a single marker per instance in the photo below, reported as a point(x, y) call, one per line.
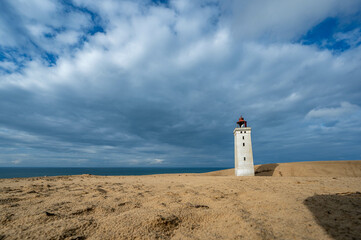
point(244, 158)
point(243, 137)
point(243, 144)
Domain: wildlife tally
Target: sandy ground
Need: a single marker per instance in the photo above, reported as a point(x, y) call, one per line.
point(187, 206)
point(303, 169)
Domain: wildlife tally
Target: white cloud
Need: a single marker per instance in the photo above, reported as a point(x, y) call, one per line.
point(282, 20)
point(353, 38)
point(16, 161)
point(8, 65)
point(157, 161)
point(332, 113)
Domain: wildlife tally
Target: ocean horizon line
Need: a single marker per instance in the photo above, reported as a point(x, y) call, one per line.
point(23, 172)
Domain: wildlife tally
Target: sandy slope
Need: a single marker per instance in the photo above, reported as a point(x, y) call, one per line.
point(303, 169)
point(185, 206)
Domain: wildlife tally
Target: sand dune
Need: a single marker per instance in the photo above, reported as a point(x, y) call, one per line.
point(303, 169)
point(186, 206)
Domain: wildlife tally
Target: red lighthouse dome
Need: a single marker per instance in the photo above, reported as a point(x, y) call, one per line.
point(241, 122)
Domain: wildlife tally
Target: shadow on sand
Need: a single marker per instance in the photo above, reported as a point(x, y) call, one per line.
point(266, 169)
point(338, 214)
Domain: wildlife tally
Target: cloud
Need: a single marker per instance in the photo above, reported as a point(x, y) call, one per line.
point(282, 20)
point(168, 81)
point(41, 30)
point(157, 161)
point(342, 111)
point(17, 161)
point(352, 37)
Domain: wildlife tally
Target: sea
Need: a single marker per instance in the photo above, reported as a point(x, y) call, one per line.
point(22, 172)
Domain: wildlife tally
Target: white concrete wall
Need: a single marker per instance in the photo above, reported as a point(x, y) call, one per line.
point(243, 155)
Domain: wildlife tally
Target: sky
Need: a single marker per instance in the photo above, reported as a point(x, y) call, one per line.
point(146, 83)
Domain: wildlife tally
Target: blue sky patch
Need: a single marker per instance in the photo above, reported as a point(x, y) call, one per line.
point(334, 34)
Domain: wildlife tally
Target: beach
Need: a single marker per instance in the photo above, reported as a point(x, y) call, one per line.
point(311, 200)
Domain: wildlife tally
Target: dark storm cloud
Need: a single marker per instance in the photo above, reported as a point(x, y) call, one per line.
point(165, 83)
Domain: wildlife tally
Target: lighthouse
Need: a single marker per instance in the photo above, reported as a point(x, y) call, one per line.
point(243, 156)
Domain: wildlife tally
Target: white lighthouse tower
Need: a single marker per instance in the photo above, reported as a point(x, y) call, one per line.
point(243, 156)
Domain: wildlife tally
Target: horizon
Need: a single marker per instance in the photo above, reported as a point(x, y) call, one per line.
point(157, 167)
point(162, 83)
point(170, 167)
